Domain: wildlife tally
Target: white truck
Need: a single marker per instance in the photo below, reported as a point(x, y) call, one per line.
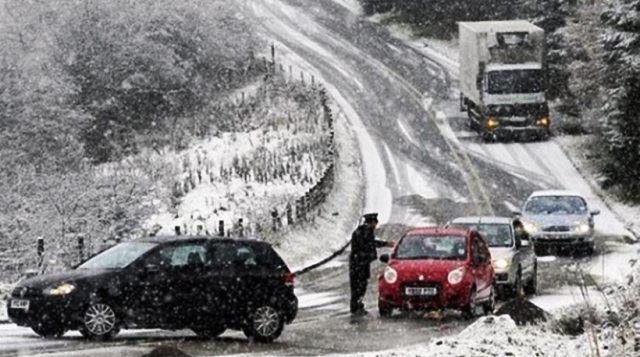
point(503, 78)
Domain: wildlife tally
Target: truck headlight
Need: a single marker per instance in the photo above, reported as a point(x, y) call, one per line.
point(390, 275)
point(501, 264)
point(492, 123)
point(544, 121)
point(62, 289)
point(583, 228)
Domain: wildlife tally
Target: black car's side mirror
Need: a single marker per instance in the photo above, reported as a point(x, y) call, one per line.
point(384, 258)
point(516, 213)
point(595, 212)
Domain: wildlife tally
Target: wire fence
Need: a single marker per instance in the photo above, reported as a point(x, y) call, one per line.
point(282, 215)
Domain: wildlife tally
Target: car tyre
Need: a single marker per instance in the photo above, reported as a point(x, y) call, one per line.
point(471, 310)
point(490, 305)
point(99, 322)
point(532, 286)
point(265, 324)
point(209, 332)
point(384, 310)
point(48, 331)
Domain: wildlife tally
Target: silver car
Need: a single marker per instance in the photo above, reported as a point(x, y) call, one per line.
point(560, 220)
point(512, 256)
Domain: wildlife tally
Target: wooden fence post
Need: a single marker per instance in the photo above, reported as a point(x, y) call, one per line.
point(80, 248)
point(40, 250)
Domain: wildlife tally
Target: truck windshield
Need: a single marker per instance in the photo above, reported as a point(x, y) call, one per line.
point(515, 81)
point(432, 247)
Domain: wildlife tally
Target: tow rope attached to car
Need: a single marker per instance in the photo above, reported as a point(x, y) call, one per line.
point(323, 261)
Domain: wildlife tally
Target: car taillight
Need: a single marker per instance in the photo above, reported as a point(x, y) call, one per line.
point(288, 278)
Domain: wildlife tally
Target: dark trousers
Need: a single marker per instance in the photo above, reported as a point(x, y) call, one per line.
point(359, 274)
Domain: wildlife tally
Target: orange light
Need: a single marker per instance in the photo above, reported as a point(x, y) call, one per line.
point(492, 123)
point(544, 121)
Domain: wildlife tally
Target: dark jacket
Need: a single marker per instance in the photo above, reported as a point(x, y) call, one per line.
point(363, 245)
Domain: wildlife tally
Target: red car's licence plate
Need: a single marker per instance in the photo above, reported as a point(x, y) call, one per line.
point(420, 291)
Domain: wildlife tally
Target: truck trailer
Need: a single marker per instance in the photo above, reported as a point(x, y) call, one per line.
point(503, 79)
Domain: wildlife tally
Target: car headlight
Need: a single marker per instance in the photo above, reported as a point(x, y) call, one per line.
point(62, 289)
point(501, 264)
point(455, 276)
point(390, 275)
point(530, 227)
point(583, 228)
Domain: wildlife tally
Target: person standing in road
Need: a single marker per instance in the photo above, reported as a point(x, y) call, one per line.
point(363, 252)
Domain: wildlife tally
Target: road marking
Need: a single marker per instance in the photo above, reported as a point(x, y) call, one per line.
point(406, 133)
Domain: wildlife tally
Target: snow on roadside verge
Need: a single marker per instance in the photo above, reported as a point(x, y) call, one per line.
point(5, 290)
point(573, 147)
point(495, 336)
point(328, 231)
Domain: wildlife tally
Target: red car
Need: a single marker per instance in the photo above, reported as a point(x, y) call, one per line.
point(438, 268)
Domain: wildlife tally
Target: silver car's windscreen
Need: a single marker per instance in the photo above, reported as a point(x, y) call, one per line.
point(496, 235)
point(569, 205)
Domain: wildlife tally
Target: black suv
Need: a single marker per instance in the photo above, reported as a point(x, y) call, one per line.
point(204, 284)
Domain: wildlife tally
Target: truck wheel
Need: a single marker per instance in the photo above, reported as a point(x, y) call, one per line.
point(488, 137)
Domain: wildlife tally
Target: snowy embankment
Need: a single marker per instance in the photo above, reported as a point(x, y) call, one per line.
point(5, 290)
point(495, 336)
point(244, 177)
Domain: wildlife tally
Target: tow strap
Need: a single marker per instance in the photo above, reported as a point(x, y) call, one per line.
point(323, 261)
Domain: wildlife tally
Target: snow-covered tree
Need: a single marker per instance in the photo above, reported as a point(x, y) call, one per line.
point(620, 134)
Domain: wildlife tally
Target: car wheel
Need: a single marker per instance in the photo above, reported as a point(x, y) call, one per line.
point(384, 310)
point(209, 331)
point(471, 310)
point(99, 322)
point(265, 324)
point(532, 286)
point(48, 331)
point(490, 305)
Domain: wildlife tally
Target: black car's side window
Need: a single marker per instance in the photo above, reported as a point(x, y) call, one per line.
point(178, 256)
point(226, 256)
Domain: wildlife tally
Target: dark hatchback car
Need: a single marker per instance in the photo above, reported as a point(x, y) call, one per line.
point(204, 284)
